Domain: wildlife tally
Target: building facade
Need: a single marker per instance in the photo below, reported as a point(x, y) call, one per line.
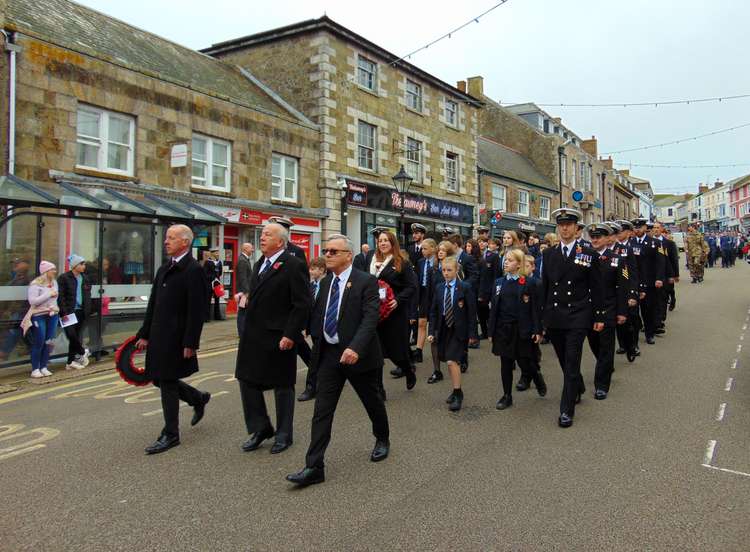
point(376, 112)
point(739, 203)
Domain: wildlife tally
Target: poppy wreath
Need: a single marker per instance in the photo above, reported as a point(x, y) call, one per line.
point(218, 289)
point(385, 301)
point(125, 364)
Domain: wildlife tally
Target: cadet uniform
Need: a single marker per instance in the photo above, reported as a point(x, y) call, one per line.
point(697, 252)
point(572, 302)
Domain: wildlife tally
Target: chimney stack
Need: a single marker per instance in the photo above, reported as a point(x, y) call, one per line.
point(608, 163)
point(461, 85)
point(590, 147)
point(476, 86)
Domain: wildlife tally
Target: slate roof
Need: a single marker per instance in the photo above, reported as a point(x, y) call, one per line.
point(95, 34)
point(504, 161)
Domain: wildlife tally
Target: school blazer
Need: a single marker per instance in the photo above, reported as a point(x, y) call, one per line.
point(464, 311)
point(529, 298)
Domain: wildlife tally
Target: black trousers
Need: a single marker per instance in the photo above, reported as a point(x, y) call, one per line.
point(74, 333)
point(241, 313)
point(603, 346)
point(332, 376)
point(628, 333)
point(217, 306)
point(304, 352)
point(528, 368)
point(312, 368)
point(483, 313)
point(256, 413)
point(172, 392)
point(650, 310)
point(568, 344)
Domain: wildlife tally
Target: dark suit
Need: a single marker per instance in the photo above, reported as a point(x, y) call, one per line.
point(297, 251)
point(572, 296)
point(672, 269)
point(357, 324)
point(278, 307)
point(488, 273)
point(471, 270)
point(652, 262)
point(173, 322)
point(360, 262)
point(244, 272)
point(213, 270)
point(415, 253)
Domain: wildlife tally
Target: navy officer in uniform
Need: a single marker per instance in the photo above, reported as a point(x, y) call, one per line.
point(651, 272)
point(572, 305)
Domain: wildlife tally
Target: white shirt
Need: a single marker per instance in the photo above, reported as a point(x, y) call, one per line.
point(571, 246)
point(272, 259)
point(343, 279)
point(178, 259)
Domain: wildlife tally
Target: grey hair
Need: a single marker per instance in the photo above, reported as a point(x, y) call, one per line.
point(281, 232)
point(184, 232)
point(347, 241)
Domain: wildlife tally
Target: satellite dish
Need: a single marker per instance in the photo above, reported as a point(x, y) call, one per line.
point(578, 195)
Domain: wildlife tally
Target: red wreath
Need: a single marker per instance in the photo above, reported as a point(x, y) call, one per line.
point(218, 288)
point(125, 364)
point(385, 308)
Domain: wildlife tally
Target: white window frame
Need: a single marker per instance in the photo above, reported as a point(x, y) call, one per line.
point(414, 96)
point(499, 203)
point(542, 199)
point(564, 169)
point(364, 148)
point(103, 141)
point(452, 164)
point(518, 203)
point(283, 177)
point(209, 162)
point(454, 122)
point(413, 156)
point(574, 176)
point(582, 176)
point(366, 74)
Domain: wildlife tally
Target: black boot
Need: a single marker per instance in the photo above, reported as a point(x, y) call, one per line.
point(523, 384)
point(436, 376)
point(504, 402)
point(417, 356)
point(456, 401)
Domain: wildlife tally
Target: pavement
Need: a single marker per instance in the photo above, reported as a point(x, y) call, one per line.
point(662, 464)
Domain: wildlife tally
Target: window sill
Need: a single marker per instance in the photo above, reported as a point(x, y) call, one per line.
point(368, 90)
point(104, 174)
point(285, 203)
point(367, 171)
point(415, 111)
point(212, 191)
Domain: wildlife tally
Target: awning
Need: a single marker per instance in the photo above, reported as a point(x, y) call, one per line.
point(99, 198)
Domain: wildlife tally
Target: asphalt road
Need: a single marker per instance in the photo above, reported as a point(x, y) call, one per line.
point(659, 465)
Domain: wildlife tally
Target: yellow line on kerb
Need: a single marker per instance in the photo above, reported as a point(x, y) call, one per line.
point(53, 388)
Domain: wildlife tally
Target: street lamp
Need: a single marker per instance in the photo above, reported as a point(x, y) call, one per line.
point(402, 181)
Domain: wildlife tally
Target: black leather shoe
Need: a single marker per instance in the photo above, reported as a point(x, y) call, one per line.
point(200, 410)
point(435, 377)
point(308, 476)
point(255, 440)
point(637, 352)
point(411, 379)
point(600, 394)
point(660, 331)
point(280, 446)
point(417, 356)
point(671, 306)
point(456, 401)
point(306, 395)
point(541, 385)
point(483, 337)
point(464, 367)
point(163, 444)
point(504, 402)
point(650, 340)
point(474, 345)
point(380, 452)
point(523, 384)
point(450, 397)
point(397, 373)
point(620, 351)
point(631, 356)
point(564, 420)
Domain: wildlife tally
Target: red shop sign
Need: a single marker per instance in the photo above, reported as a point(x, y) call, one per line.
point(250, 217)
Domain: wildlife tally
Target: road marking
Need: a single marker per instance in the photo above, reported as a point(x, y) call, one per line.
point(725, 470)
point(734, 364)
point(217, 353)
point(728, 386)
point(54, 388)
point(708, 458)
point(183, 405)
point(722, 410)
point(742, 337)
point(744, 327)
point(739, 347)
point(39, 436)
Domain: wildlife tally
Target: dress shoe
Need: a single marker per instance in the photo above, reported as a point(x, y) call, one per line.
point(280, 446)
point(435, 377)
point(504, 402)
point(456, 401)
point(308, 476)
point(637, 352)
point(200, 410)
point(256, 439)
point(397, 373)
point(600, 394)
point(620, 351)
point(418, 357)
point(162, 444)
point(660, 331)
point(650, 340)
point(474, 345)
point(541, 385)
point(306, 395)
point(671, 306)
point(523, 384)
point(450, 397)
point(380, 452)
point(631, 356)
point(564, 420)
point(411, 379)
point(464, 367)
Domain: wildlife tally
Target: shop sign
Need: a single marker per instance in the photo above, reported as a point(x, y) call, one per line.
point(250, 217)
point(178, 157)
point(526, 226)
point(356, 194)
point(390, 200)
point(302, 241)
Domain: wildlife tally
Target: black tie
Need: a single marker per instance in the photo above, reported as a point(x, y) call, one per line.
point(565, 251)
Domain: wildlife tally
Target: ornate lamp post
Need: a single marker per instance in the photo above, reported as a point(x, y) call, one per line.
point(402, 181)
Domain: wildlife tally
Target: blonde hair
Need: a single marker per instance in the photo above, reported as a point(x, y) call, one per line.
point(519, 257)
point(530, 259)
point(551, 239)
point(430, 243)
point(451, 260)
point(450, 247)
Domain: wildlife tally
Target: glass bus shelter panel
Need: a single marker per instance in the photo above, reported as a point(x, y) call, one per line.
point(118, 203)
point(14, 190)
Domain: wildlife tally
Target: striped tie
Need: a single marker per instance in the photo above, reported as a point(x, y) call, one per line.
point(331, 322)
point(448, 307)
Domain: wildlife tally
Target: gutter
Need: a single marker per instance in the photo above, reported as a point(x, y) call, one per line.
point(12, 49)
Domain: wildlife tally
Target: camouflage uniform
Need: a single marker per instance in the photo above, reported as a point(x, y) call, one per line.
point(697, 253)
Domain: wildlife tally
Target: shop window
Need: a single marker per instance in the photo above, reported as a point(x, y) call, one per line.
point(414, 159)
point(212, 163)
point(105, 141)
point(284, 178)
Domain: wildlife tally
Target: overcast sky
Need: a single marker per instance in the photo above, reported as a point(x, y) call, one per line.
point(546, 51)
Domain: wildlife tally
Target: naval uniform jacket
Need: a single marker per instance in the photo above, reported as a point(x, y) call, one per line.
point(651, 260)
point(572, 291)
point(615, 279)
point(625, 251)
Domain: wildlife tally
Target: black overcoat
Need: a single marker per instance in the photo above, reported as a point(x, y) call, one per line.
point(278, 306)
point(174, 319)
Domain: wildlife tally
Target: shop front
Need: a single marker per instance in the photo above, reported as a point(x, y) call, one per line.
point(369, 206)
point(119, 234)
point(499, 222)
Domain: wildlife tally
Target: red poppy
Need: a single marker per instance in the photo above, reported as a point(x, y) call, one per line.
point(522, 280)
point(276, 266)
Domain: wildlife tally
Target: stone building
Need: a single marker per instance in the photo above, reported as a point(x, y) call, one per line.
point(376, 112)
point(119, 132)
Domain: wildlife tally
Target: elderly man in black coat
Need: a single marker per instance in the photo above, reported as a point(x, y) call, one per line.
point(171, 332)
point(276, 313)
point(347, 348)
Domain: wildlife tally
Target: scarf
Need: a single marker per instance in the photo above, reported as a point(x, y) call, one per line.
point(376, 267)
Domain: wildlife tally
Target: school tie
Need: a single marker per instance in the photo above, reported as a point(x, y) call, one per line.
point(331, 322)
point(427, 267)
point(314, 289)
point(448, 307)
